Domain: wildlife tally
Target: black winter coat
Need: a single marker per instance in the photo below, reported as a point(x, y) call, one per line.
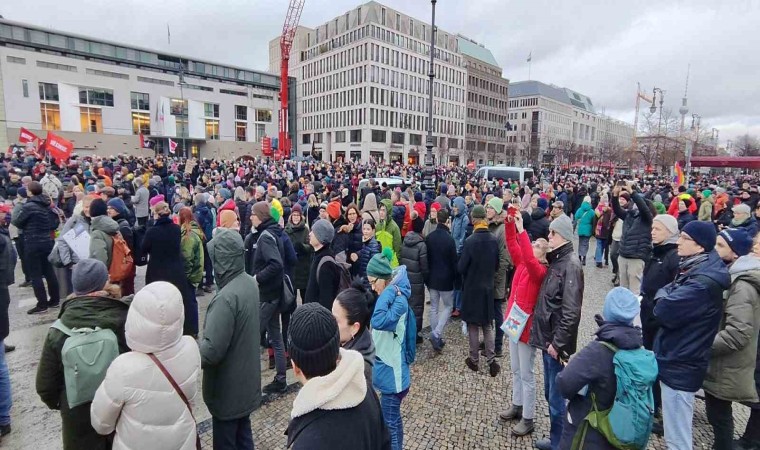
point(7, 268)
point(539, 225)
point(593, 366)
point(414, 256)
point(369, 249)
point(684, 217)
point(442, 259)
point(558, 310)
point(660, 270)
point(37, 220)
point(267, 264)
point(299, 237)
point(637, 228)
point(478, 265)
point(323, 286)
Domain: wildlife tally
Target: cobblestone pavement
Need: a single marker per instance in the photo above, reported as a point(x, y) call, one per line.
point(448, 407)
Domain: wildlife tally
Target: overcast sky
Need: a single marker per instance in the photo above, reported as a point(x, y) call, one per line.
point(600, 48)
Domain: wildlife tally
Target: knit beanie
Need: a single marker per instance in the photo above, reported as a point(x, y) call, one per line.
point(157, 199)
point(543, 203)
point(333, 210)
point(21, 192)
point(227, 218)
point(435, 206)
point(98, 208)
point(478, 212)
point(658, 198)
point(707, 193)
point(626, 196)
point(262, 211)
point(668, 221)
point(296, 208)
point(497, 204)
point(418, 196)
point(225, 193)
point(563, 226)
point(313, 340)
point(119, 205)
point(418, 224)
point(703, 233)
point(421, 210)
point(323, 231)
point(738, 239)
point(380, 265)
point(275, 213)
point(620, 306)
point(89, 275)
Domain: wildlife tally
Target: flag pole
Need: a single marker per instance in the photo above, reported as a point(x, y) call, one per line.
point(530, 61)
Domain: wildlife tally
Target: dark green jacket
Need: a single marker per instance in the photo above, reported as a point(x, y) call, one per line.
point(230, 344)
point(191, 246)
point(299, 237)
point(78, 312)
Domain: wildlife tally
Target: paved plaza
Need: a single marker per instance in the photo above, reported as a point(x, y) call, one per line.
point(448, 406)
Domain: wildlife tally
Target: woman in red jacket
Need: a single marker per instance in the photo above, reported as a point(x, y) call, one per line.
point(530, 264)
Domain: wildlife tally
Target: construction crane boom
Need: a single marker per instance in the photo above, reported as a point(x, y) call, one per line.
point(639, 96)
point(286, 43)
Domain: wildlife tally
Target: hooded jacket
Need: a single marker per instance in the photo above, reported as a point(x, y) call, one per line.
point(731, 370)
point(231, 334)
point(299, 237)
point(92, 310)
point(529, 274)
point(593, 367)
point(706, 209)
point(636, 242)
point(36, 219)
point(267, 265)
point(689, 313)
point(459, 223)
point(363, 344)
point(135, 399)
point(191, 244)
point(340, 400)
point(369, 249)
point(389, 225)
point(414, 256)
point(390, 375)
point(538, 227)
point(369, 208)
point(140, 202)
point(102, 231)
point(205, 219)
point(585, 217)
point(496, 227)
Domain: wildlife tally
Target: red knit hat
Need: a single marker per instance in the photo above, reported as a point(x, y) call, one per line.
point(420, 208)
point(435, 206)
point(333, 210)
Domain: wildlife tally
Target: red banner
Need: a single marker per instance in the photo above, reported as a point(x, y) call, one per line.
point(266, 146)
point(26, 136)
point(172, 146)
point(59, 148)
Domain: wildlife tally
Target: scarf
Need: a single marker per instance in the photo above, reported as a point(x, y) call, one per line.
point(689, 262)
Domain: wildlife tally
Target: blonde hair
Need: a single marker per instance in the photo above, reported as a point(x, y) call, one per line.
point(543, 246)
point(161, 208)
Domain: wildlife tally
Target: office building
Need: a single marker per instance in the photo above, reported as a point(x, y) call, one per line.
point(101, 95)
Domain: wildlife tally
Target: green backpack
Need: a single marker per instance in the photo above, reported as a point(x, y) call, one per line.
point(86, 356)
point(386, 241)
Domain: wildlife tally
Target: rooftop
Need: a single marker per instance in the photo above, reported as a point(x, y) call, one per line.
point(471, 48)
point(564, 95)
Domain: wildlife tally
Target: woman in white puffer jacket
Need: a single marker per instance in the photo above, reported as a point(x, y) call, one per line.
point(136, 400)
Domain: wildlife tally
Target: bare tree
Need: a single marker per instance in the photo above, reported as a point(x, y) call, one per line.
point(471, 151)
point(511, 150)
point(747, 145)
point(491, 152)
point(655, 130)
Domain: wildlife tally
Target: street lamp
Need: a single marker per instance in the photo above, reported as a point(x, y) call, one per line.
point(428, 171)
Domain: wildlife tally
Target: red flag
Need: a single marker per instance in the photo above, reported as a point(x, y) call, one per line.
point(142, 140)
point(172, 146)
point(266, 146)
point(25, 136)
point(60, 149)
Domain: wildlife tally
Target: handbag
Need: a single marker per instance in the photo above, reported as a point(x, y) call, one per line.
point(515, 322)
point(181, 395)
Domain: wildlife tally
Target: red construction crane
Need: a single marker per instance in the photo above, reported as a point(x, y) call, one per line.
point(286, 42)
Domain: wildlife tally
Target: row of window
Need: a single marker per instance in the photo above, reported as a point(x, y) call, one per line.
point(487, 85)
point(491, 132)
point(498, 119)
point(345, 118)
point(521, 103)
point(380, 136)
point(486, 100)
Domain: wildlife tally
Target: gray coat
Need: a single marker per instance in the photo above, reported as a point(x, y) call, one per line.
point(140, 202)
point(496, 227)
point(731, 370)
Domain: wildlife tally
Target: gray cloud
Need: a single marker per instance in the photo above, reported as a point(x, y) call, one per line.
point(596, 47)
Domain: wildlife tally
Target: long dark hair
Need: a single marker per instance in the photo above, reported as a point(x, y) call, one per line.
point(355, 301)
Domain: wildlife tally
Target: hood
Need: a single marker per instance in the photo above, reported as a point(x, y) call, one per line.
point(228, 204)
point(269, 225)
point(539, 213)
point(413, 239)
point(746, 267)
point(290, 227)
point(497, 220)
point(226, 252)
point(194, 228)
point(343, 388)
point(401, 280)
point(621, 336)
point(104, 224)
point(93, 310)
point(364, 345)
point(388, 207)
point(155, 318)
point(42, 199)
point(660, 250)
point(370, 203)
point(584, 207)
point(459, 203)
point(714, 268)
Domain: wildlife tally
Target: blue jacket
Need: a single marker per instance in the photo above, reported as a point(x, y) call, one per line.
point(689, 311)
point(205, 219)
point(390, 375)
point(369, 249)
point(459, 224)
point(585, 216)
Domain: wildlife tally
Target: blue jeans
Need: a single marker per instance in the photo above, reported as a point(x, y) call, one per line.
point(600, 246)
point(677, 416)
point(5, 388)
point(232, 434)
point(391, 406)
point(552, 368)
point(457, 299)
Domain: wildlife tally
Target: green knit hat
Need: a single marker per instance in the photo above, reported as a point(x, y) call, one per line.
point(380, 265)
point(706, 193)
point(275, 214)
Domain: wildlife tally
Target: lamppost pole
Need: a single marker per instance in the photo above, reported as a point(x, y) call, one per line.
point(695, 119)
point(652, 109)
point(428, 172)
point(182, 101)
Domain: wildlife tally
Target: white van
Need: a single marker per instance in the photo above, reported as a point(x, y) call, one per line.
point(496, 173)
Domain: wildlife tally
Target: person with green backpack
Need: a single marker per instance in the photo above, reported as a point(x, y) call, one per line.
point(609, 383)
point(387, 231)
point(91, 322)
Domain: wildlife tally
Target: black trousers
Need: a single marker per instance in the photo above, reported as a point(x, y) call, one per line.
point(752, 432)
point(720, 415)
point(232, 434)
point(20, 251)
point(39, 267)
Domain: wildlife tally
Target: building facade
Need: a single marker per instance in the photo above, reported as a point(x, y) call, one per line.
point(363, 89)
point(487, 105)
point(550, 125)
point(102, 95)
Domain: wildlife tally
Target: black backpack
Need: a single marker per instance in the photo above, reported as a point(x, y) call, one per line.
point(343, 269)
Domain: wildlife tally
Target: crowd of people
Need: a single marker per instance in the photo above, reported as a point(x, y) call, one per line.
point(363, 260)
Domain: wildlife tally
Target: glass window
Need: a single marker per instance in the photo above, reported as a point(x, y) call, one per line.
point(356, 135)
point(306, 138)
point(25, 88)
point(140, 123)
point(261, 132)
point(91, 120)
point(397, 138)
point(211, 110)
point(50, 116)
point(241, 131)
point(378, 135)
point(340, 136)
point(263, 115)
point(415, 139)
point(179, 107)
point(317, 138)
point(140, 101)
point(48, 92)
point(100, 97)
point(241, 112)
point(212, 129)
point(182, 129)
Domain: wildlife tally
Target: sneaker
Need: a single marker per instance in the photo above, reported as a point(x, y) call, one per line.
point(54, 304)
point(471, 364)
point(523, 428)
point(513, 413)
point(499, 353)
point(208, 289)
point(199, 292)
point(494, 368)
point(25, 284)
point(8, 348)
point(276, 387)
point(271, 363)
point(5, 429)
point(543, 444)
point(435, 344)
point(598, 265)
point(657, 428)
point(37, 310)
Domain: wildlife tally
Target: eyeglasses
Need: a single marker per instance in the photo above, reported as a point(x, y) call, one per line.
point(686, 237)
point(552, 232)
